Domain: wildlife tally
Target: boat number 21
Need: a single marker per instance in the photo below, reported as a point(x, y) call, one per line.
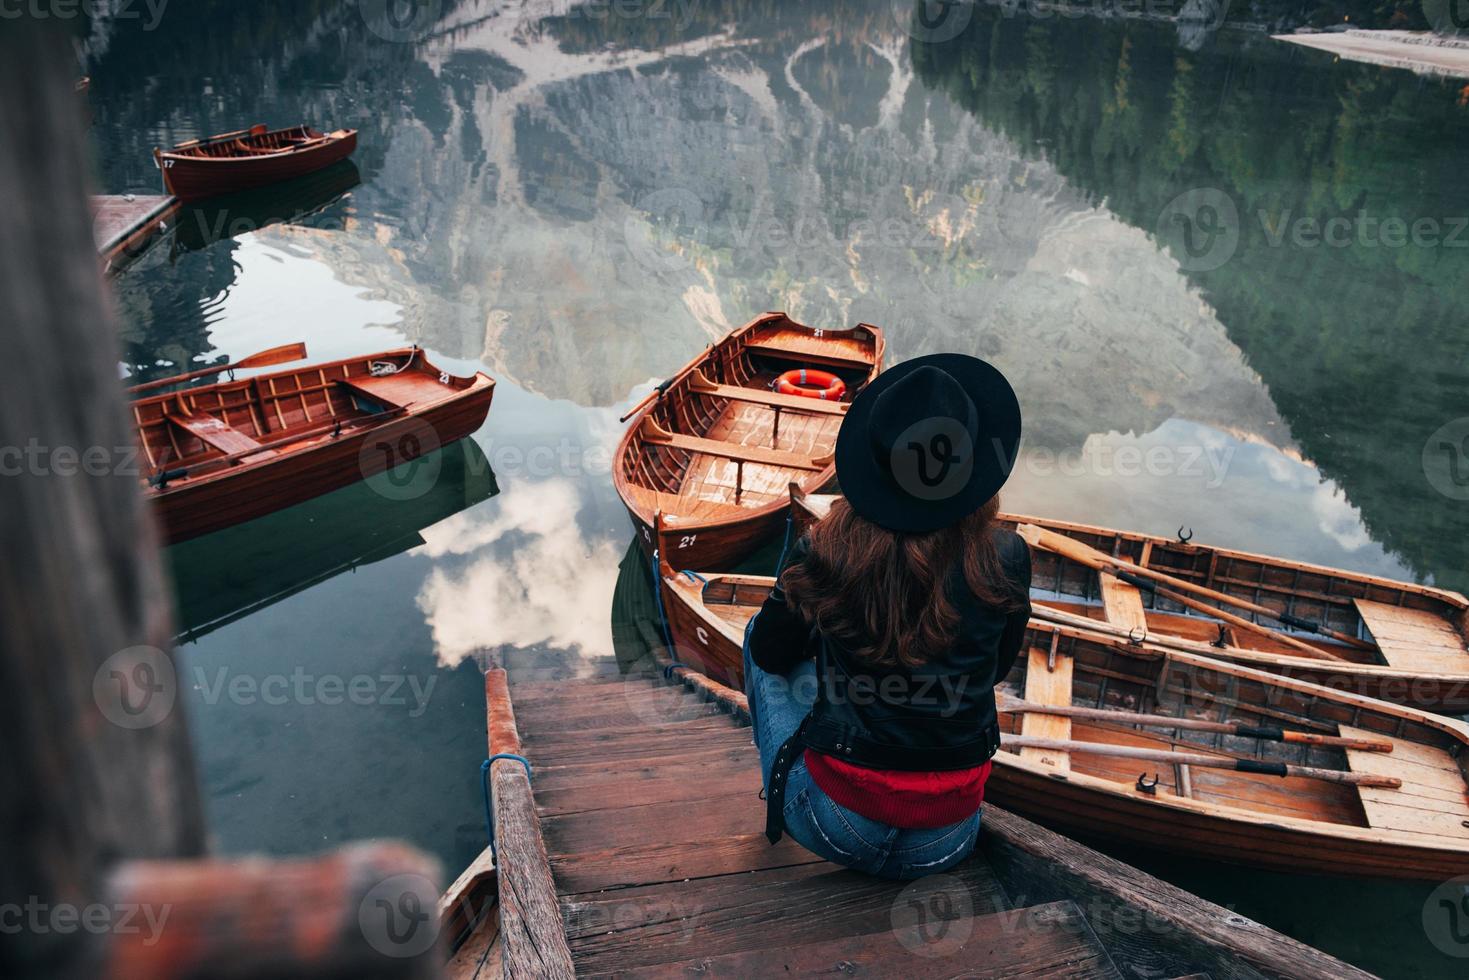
point(687, 540)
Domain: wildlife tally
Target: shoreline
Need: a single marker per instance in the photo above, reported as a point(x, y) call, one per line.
point(1417, 51)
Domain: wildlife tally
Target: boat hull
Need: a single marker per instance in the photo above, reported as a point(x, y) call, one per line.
point(702, 509)
point(1110, 810)
point(191, 511)
point(1443, 691)
point(197, 178)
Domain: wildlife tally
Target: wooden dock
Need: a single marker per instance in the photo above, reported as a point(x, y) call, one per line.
point(636, 848)
point(124, 225)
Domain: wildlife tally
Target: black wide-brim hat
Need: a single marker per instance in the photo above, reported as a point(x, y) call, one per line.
point(928, 442)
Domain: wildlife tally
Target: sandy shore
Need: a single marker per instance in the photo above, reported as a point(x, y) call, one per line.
point(1419, 51)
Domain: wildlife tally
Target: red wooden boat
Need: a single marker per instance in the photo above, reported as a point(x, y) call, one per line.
point(225, 453)
point(713, 449)
point(249, 158)
point(1397, 641)
point(1169, 750)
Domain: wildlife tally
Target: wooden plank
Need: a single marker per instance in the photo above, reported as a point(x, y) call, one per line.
point(1181, 933)
point(658, 861)
point(1411, 639)
point(1436, 802)
point(530, 918)
point(1044, 685)
point(1123, 603)
point(214, 432)
point(1051, 940)
point(669, 921)
point(771, 399)
point(731, 450)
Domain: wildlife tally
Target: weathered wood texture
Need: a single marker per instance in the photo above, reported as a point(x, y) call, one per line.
point(530, 922)
point(81, 580)
point(99, 807)
point(653, 828)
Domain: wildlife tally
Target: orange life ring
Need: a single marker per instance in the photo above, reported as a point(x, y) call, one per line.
point(812, 383)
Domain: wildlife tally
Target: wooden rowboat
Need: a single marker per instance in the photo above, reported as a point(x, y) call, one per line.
point(225, 453)
point(715, 448)
point(1400, 642)
point(1094, 785)
point(249, 158)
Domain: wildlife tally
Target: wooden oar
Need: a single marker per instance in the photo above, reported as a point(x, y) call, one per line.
point(1084, 554)
point(1200, 760)
point(1299, 622)
point(265, 358)
point(1270, 733)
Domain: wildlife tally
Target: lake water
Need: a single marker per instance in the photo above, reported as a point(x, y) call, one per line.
point(1228, 277)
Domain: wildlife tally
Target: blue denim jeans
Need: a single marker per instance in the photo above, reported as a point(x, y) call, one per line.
point(778, 703)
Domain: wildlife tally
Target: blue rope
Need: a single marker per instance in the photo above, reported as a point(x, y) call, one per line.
point(786, 544)
point(694, 576)
point(484, 783)
point(663, 620)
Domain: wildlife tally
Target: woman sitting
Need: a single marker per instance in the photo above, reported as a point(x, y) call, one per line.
point(871, 667)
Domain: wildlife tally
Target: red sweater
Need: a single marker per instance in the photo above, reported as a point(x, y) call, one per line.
point(911, 800)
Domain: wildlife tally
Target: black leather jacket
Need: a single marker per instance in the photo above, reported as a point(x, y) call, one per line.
point(938, 717)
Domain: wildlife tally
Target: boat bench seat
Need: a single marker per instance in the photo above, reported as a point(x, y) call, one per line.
point(774, 399)
point(1123, 603)
point(400, 391)
point(658, 436)
point(793, 352)
point(1432, 798)
point(1413, 639)
point(217, 433)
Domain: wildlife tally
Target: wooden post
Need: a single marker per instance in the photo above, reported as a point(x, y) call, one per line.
point(100, 811)
point(530, 916)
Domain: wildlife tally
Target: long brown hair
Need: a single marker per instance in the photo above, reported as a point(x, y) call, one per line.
point(883, 594)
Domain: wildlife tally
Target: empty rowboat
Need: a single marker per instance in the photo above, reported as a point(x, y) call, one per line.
point(1396, 641)
point(224, 453)
point(713, 449)
point(249, 158)
point(1169, 750)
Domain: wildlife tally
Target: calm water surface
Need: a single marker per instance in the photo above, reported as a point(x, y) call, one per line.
point(577, 201)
